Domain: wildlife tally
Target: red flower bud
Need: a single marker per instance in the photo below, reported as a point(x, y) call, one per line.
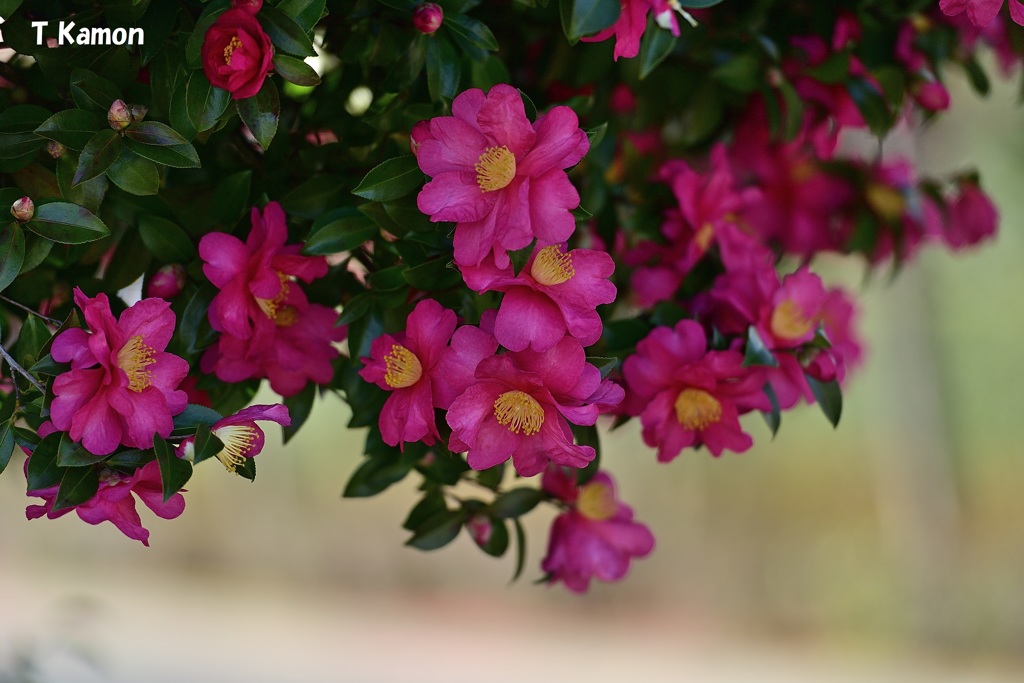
point(55, 149)
point(480, 528)
point(23, 210)
point(167, 282)
point(119, 116)
point(427, 18)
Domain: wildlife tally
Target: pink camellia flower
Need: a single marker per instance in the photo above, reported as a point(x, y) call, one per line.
point(499, 178)
point(122, 386)
point(686, 395)
point(555, 292)
point(596, 537)
point(982, 12)
point(520, 407)
point(629, 28)
point(113, 501)
point(972, 217)
point(241, 436)
point(407, 366)
point(237, 54)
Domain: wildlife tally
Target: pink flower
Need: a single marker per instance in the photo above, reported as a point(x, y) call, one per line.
point(167, 282)
point(499, 178)
point(427, 18)
point(521, 404)
point(982, 12)
point(596, 537)
point(122, 386)
point(407, 365)
point(629, 28)
point(972, 217)
point(687, 396)
point(237, 53)
point(241, 436)
point(113, 501)
point(555, 292)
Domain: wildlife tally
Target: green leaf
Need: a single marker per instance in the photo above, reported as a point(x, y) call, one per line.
point(194, 45)
point(585, 17)
point(99, 153)
point(390, 180)
point(772, 417)
point(166, 240)
point(473, 31)
point(299, 407)
point(497, 544)
point(206, 445)
point(133, 174)
point(306, 13)
point(67, 224)
point(232, 193)
point(757, 353)
point(6, 443)
point(520, 549)
point(176, 156)
point(437, 531)
point(12, 254)
point(194, 330)
point(76, 456)
point(131, 459)
point(204, 102)
point(43, 471)
point(174, 472)
point(431, 504)
point(193, 417)
point(78, 485)
point(285, 33)
point(434, 275)
point(340, 230)
point(741, 73)
point(516, 502)
point(72, 128)
point(872, 105)
point(261, 112)
point(443, 68)
point(295, 70)
point(314, 196)
point(93, 92)
point(829, 396)
point(154, 133)
point(656, 45)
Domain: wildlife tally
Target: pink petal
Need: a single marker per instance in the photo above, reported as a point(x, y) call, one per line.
point(560, 143)
point(224, 256)
point(72, 346)
point(528, 319)
point(455, 146)
point(429, 327)
point(502, 117)
point(455, 196)
point(150, 318)
point(551, 198)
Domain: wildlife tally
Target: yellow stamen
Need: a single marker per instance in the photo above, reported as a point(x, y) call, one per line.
point(404, 368)
point(704, 236)
point(230, 48)
point(886, 201)
point(134, 357)
point(552, 267)
point(283, 316)
point(696, 409)
point(788, 321)
point(520, 412)
point(238, 440)
point(596, 502)
point(495, 168)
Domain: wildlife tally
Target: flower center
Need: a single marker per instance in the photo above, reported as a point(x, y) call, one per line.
point(283, 316)
point(887, 202)
point(703, 237)
point(134, 357)
point(696, 409)
point(495, 168)
point(520, 412)
point(230, 48)
point(404, 368)
point(788, 321)
point(596, 502)
point(552, 267)
point(237, 440)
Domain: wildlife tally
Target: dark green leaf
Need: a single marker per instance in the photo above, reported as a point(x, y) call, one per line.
point(12, 254)
point(390, 180)
point(261, 112)
point(76, 456)
point(774, 416)
point(472, 30)
point(443, 68)
point(586, 435)
point(306, 13)
point(757, 353)
point(285, 33)
point(194, 416)
point(299, 408)
point(210, 13)
point(741, 73)
point(67, 224)
point(78, 485)
point(133, 174)
point(585, 17)
point(437, 531)
point(194, 330)
point(131, 459)
point(206, 445)
point(656, 45)
point(520, 549)
point(174, 472)
point(204, 103)
point(516, 502)
point(313, 196)
point(295, 70)
point(93, 92)
point(154, 133)
point(431, 504)
point(872, 105)
point(433, 275)
point(6, 443)
point(72, 128)
point(168, 242)
point(492, 476)
point(497, 543)
point(829, 396)
point(43, 471)
point(176, 156)
point(99, 153)
point(340, 230)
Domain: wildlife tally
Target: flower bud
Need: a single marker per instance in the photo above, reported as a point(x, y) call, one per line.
point(55, 149)
point(480, 528)
point(119, 116)
point(138, 112)
point(419, 134)
point(167, 282)
point(427, 18)
point(23, 210)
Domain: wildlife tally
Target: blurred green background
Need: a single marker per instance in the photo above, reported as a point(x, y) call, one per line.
point(891, 549)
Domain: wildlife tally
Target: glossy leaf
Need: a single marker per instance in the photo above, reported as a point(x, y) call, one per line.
point(176, 156)
point(133, 174)
point(100, 152)
point(437, 531)
point(516, 503)
point(295, 70)
point(285, 33)
point(204, 103)
point(585, 17)
point(830, 398)
point(72, 127)
point(67, 223)
point(261, 112)
point(78, 485)
point(757, 353)
point(166, 240)
point(390, 180)
point(174, 472)
point(341, 230)
point(12, 254)
point(93, 92)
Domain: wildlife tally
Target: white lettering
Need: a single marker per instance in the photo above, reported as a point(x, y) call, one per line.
point(65, 32)
point(118, 36)
point(83, 36)
point(38, 26)
point(131, 36)
point(100, 36)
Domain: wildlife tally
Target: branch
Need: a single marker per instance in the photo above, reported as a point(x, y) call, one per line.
point(16, 367)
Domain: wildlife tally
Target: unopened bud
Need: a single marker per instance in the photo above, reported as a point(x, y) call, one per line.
point(138, 112)
point(427, 18)
point(55, 149)
point(167, 282)
point(480, 528)
point(119, 116)
point(23, 210)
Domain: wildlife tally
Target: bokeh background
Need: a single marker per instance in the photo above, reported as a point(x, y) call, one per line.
point(891, 549)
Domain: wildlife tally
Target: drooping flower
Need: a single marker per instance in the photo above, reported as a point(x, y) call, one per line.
point(241, 436)
point(114, 503)
point(237, 53)
point(596, 537)
point(557, 291)
point(122, 386)
point(982, 12)
point(521, 404)
point(407, 365)
point(686, 395)
point(629, 28)
point(499, 178)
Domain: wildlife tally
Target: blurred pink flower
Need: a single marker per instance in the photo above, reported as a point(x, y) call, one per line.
point(972, 217)
point(982, 12)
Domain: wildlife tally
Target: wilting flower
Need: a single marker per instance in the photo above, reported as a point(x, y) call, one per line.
point(113, 501)
point(122, 386)
point(407, 366)
point(982, 12)
point(501, 179)
point(241, 436)
point(557, 291)
point(237, 54)
point(686, 395)
point(596, 537)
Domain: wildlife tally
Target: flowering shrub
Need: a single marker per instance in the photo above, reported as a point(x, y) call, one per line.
point(488, 228)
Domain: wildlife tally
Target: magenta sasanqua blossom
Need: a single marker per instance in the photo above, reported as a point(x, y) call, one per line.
point(982, 12)
point(597, 537)
point(499, 178)
point(407, 365)
point(241, 436)
point(521, 404)
point(122, 387)
point(557, 291)
point(629, 28)
point(686, 395)
point(114, 503)
point(268, 327)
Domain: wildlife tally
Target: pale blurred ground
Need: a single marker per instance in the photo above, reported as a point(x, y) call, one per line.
point(889, 550)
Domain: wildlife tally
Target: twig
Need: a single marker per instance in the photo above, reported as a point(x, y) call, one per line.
point(25, 308)
point(16, 367)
